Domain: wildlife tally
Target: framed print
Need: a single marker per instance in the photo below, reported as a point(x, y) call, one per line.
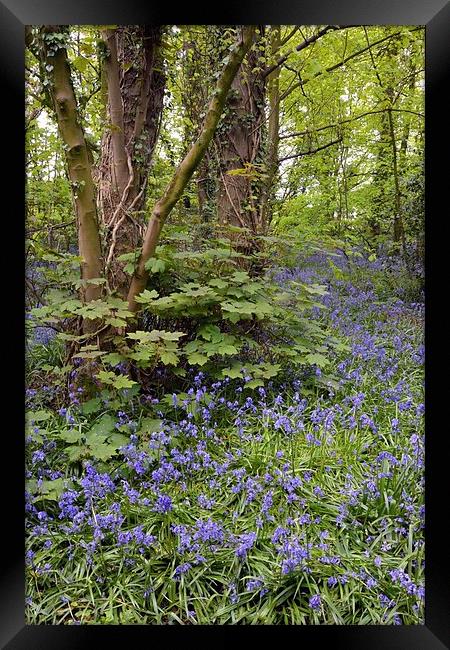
point(233, 226)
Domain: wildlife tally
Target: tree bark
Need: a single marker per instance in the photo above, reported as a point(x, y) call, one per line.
point(200, 52)
point(135, 87)
point(189, 164)
point(239, 144)
point(273, 135)
point(77, 157)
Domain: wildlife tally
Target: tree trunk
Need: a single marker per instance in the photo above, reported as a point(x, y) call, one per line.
point(200, 53)
point(135, 86)
point(77, 157)
point(239, 145)
point(399, 234)
point(273, 135)
point(189, 164)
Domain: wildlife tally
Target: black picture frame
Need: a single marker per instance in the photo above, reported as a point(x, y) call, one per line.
point(435, 15)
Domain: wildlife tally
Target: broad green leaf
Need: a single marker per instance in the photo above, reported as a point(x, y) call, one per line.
point(147, 296)
point(168, 357)
point(197, 359)
point(105, 425)
point(317, 359)
point(254, 383)
point(75, 452)
point(102, 451)
point(73, 435)
point(150, 425)
point(93, 354)
point(118, 440)
point(233, 373)
point(113, 358)
point(210, 333)
point(226, 349)
point(155, 265)
point(38, 416)
point(121, 381)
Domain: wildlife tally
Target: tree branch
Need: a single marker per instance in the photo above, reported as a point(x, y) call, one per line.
point(343, 62)
point(302, 46)
point(351, 119)
point(307, 153)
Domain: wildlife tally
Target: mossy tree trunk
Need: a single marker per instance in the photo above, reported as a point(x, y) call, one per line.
point(79, 164)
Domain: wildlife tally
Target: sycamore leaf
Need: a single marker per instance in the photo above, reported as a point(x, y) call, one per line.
point(146, 296)
point(254, 383)
point(233, 373)
point(121, 381)
point(113, 358)
point(317, 359)
point(168, 357)
point(155, 266)
point(197, 359)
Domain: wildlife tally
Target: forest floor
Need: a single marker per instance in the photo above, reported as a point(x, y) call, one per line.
point(287, 504)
